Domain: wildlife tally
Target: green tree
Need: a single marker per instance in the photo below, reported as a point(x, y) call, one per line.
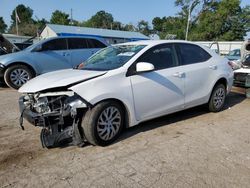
point(101, 19)
point(117, 25)
point(40, 24)
point(3, 26)
point(170, 26)
point(143, 27)
point(24, 13)
point(158, 24)
point(224, 20)
point(59, 17)
point(26, 25)
point(215, 20)
point(129, 27)
point(245, 17)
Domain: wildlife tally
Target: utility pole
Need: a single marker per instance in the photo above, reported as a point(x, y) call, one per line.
point(17, 19)
point(189, 18)
point(71, 16)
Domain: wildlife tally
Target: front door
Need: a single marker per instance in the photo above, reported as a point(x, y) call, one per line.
point(161, 91)
point(53, 56)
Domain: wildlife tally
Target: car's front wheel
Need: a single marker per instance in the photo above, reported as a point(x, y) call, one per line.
point(17, 75)
point(103, 123)
point(217, 98)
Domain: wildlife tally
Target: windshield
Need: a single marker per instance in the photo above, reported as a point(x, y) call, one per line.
point(112, 57)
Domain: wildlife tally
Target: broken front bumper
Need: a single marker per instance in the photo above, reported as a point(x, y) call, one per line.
point(58, 128)
point(32, 117)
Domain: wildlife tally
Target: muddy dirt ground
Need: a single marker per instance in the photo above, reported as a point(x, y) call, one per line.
point(193, 148)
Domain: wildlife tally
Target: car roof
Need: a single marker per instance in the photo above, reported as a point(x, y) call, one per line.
point(156, 42)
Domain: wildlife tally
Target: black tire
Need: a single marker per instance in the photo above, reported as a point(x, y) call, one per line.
point(14, 70)
point(92, 122)
point(217, 99)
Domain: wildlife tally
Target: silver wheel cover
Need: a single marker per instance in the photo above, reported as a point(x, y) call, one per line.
point(219, 97)
point(109, 123)
point(19, 77)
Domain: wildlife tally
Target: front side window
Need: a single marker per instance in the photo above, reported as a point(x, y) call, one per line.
point(190, 54)
point(55, 44)
point(161, 56)
point(112, 57)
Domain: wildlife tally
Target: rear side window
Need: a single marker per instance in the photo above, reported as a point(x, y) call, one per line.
point(77, 43)
point(93, 43)
point(55, 44)
point(161, 56)
point(190, 54)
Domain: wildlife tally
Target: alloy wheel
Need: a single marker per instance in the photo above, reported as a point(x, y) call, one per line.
point(219, 97)
point(109, 123)
point(19, 77)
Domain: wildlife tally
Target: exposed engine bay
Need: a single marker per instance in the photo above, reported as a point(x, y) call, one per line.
point(58, 113)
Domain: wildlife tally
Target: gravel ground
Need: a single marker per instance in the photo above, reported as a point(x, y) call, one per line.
point(193, 148)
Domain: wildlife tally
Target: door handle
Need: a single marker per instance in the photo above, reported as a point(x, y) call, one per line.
point(179, 74)
point(213, 67)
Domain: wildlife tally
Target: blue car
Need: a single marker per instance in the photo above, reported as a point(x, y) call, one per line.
point(234, 55)
point(46, 56)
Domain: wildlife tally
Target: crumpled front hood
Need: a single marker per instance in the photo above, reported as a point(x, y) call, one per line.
point(58, 79)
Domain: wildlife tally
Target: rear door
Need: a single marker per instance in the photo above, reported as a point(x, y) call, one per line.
point(160, 91)
point(54, 55)
point(95, 45)
point(82, 48)
point(195, 63)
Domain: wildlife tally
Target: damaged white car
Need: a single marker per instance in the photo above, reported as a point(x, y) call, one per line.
point(121, 86)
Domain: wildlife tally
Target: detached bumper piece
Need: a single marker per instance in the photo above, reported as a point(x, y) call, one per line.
point(58, 129)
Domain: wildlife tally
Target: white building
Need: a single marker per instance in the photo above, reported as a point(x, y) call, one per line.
point(111, 36)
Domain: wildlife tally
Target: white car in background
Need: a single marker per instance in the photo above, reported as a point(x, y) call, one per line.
point(121, 86)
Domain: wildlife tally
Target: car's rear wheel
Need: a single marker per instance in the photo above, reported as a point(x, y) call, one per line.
point(217, 99)
point(17, 75)
point(103, 123)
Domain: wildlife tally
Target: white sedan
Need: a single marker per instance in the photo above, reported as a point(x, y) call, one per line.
point(121, 86)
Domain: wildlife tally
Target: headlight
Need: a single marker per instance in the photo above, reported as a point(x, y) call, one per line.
point(2, 66)
point(72, 104)
point(41, 105)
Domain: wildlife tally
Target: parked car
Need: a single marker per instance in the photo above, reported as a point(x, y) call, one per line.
point(46, 56)
point(234, 55)
point(242, 75)
point(121, 86)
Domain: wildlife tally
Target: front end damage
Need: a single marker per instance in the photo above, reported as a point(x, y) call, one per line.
point(58, 113)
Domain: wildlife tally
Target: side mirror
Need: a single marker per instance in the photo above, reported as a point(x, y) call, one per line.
point(144, 67)
point(38, 48)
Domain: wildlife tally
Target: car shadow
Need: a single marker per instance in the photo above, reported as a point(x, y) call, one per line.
point(3, 85)
point(232, 100)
